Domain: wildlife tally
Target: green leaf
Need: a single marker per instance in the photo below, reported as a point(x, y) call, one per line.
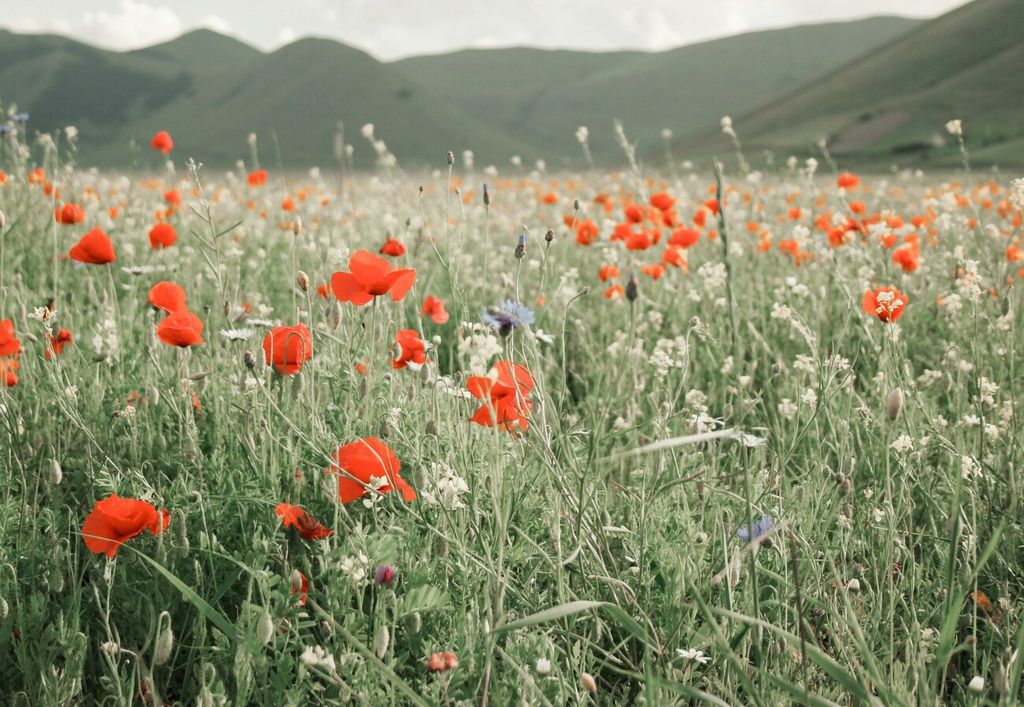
point(577, 607)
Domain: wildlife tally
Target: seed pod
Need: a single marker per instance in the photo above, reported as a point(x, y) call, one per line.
point(250, 360)
point(302, 280)
point(164, 639)
point(893, 404)
point(549, 236)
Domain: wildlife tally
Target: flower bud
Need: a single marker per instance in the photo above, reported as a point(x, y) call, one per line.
point(976, 685)
point(54, 473)
point(250, 360)
point(549, 236)
point(264, 627)
point(543, 666)
point(384, 574)
point(164, 639)
point(302, 280)
point(853, 585)
point(3, 221)
point(521, 247)
point(893, 404)
point(450, 157)
point(632, 289)
point(487, 196)
point(381, 641)
point(297, 226)
point(588, 682)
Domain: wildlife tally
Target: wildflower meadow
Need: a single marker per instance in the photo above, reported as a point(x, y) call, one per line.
point(730, 432)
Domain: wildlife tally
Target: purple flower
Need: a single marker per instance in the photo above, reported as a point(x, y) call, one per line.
point(384, 574)
point(756, 529)
point(507, 316)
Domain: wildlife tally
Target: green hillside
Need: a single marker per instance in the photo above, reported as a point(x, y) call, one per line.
point(201, 48)
point(891, 105)
point(542, 96)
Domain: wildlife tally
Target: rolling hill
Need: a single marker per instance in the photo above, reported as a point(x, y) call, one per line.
point(541, 96)
point(891, 104)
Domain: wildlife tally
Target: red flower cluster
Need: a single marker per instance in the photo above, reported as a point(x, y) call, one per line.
point(505, 392)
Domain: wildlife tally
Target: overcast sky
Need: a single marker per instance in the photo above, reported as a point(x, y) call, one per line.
point(395, 28)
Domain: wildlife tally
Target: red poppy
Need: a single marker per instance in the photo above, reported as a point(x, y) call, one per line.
point(286, 348)
point(662, 201)
point(393, 247)
point(848, 180)
point(55, 344)
point(370, 276)
point(441, 662)
point(115, 520)
point(886, 303)
point(10, 345)
point(614, 292)
point(162, 235)
point(685, 237)
point(300, 586)
point(654, 271)
point(162, 141)
point(368, 464)
point(306, 526)
point(257, 178)
point(9, 371)
point(69, 214)
point(411, 349)
point(608, 272)
point(634, 214)
point(550, 198)
point(288, 204)
point(173, 197)
point(168, 296)
point(433, 307)
point(587, 232)
point(181, 329)
point(673, 256)
point(638, 241)
point(506, 391)
point(95, 247)
point(906, 257)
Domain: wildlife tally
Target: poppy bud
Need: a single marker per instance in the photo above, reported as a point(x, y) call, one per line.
point(297, 226)
point(1004, 304)
point(440, 546)
point(893, 404)
point(976, 685)
point(1000, 681)
point(384, 574)
point(381, 641)
point(54, 473)
point(588, 682)
point(4, 609)
point(487, 196)
point(250, 360)
point(584, 291)
point(543, 666)
point(451, 157)
point(521, 247)
point(549, 236)
point(334, 315)
point(302, 280)
point(632, 289)
point(414, 623)
point(164, 639)
point(576, 204)
point(264, 627)
point(853, 585)
point(154, 395)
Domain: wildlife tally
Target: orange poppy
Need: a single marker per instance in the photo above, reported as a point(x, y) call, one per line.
point(304, 524)
point(371, 276)
point(55, 344)
point(286, 348)
point(368, 464)
point(181, 328)
point(433, 307)
point(506, 391)
point(95, 247)
point(69, 214)
point(886, 303)
point(115, 520)
point(168, 296)
point(162, 141)
point(162, 235)
point(393, 247)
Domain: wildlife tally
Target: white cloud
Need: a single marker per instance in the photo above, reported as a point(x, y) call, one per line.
point(132, 25)
point(286, 35)
point(216, 23)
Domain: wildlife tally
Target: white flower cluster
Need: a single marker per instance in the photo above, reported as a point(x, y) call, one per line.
point(444, 487)
point(478, 347)
point(668, 354)
point(356, 568)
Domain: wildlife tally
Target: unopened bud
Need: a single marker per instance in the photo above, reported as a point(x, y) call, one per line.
point(521, 247)
point(893, 404)
point(549, 236)
point(632, 289)
point(264, 627)
point(164, 639)
point(297, 226)
point(302, 280)
point(381, 641)
point(334, 315)
point(576, 204)
point(250, 360)
point(54, 473)
point(588, 682)
point(853, 585)
point(451, 157)
point(3, 221)
point(487, 196)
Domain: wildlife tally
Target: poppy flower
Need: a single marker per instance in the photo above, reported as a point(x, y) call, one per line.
point(886, 303)
point(504, 390)
point(433, 307)
point(257, 178)
point(371, 276)
point(633, 213)
point(550, 198)
point(614, 292)
point(906, 257)
point(587, 232)
point(288, 204)
point(168, 296)
point(173, 197)
point(304, 524)
point(368, 464)
point(10, 345)
point(673, 256)
point(116, 520)
point(411, 349)
point(94, 247)
point(69, 214)
point(684, 237)
point(638, 241)
point(162, 235)
point(286, 348)
point(848, 180)
point(393, 247)
point(299, 586)
point(608, 272)
point(9, 371)
point(654, 271)
point(55, 344)
point(181, 328)
point(662, 201)
point(162, 141)
point(442, 662)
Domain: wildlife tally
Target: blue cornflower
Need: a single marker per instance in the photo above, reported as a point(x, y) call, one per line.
point(507, 316)
point(21, 118)
point(755, 530)
point(4, 128)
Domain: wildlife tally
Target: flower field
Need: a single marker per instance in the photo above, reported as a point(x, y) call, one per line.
point(726, 434)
